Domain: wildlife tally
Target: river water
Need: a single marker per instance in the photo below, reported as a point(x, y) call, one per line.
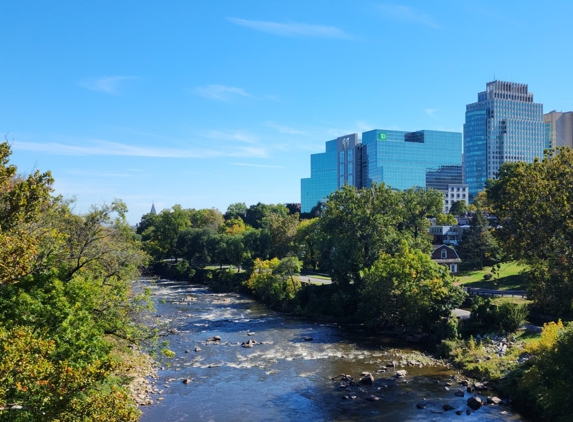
point(286, 376)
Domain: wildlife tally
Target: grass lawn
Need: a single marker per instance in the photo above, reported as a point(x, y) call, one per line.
point(509, 278)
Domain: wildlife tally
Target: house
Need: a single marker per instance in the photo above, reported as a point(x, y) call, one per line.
point(448, 257)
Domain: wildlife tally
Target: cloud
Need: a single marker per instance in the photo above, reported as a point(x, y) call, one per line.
point(293, 29)
point(221, 92)
point(431, 112)
point(236, 135)
point(106, 148)
point(407, 14)
point(286, 129)
point(257, 165)
point(107, 84)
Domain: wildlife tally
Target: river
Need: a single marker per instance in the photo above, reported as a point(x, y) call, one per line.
point(287, 375)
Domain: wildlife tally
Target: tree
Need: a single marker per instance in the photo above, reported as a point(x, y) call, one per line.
point(236, 210)
point(478, 246)
point(359, 225)
point(274, 281)
point(160, 235)
point(419, 204)
point(307, 241)
point(282, 231)
point(407, 290)
point(256, 214)
point(446, 220)
point(23, 200)
point(458, 208)
point(206, 218)
point(533, 204)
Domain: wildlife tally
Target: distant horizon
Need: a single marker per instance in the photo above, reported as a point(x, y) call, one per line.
point(205, 105)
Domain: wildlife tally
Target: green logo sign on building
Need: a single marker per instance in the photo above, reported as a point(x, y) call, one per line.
point(381, 136)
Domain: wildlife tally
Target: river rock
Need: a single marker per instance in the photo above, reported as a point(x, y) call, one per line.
point(447, 407)
point(459, 393)
point(401, 373)
point(197, 349)
point(422, 405)
point(475, 403)
point(248, 344)
point(187, 381)
point(372, 397)
point(494, 400)
point(308, 339)
point(214, 338)
point(368, 379)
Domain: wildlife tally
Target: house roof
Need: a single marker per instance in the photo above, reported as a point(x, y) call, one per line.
point(451, 255)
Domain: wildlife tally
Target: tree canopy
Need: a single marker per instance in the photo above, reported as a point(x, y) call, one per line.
point(533, 204)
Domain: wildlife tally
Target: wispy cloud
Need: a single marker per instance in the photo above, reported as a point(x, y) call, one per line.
point(106, 148)
point(407, 14)
point(236, 135)
point(291, 29)
point(431, 112)
point(107, 84)
point(221, 92)
point(257, 165)
point(286, 129)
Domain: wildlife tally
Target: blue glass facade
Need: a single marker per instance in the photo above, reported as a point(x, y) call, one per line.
point(405, 159)
point(339, 165)
point(503, 125)
point(400, 159)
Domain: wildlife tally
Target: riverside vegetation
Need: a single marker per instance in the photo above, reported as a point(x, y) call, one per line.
point(68, 311)
point(373, 244)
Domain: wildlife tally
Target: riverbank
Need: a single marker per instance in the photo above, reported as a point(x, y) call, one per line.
point(293, 368)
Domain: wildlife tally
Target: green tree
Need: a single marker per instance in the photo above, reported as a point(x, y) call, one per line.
point(23, 200)
point(282, 231)
point(359, 225)
point(478, 246)
point(407, 290)
point(210, 218)
point(446, 220)
point(458, 208)
point(532, 202)
point(236, 210)
point(418, 205)
point(160, 237)
point(275, 282)
point(307, 240)
point(256, 214)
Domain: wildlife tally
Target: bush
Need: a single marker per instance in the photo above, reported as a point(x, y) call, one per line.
point(486, 318)
point(545, 382)
point(510, 316)
point(487, 276)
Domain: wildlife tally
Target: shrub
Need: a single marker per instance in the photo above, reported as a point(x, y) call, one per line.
point(487, 276)
point(510, 316)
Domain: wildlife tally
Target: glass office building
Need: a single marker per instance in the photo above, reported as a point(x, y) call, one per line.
point(400, 159)
point(503, 125)
point(339, 165)
point(426, 158)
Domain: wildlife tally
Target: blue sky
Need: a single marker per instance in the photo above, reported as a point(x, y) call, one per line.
point(204, 103)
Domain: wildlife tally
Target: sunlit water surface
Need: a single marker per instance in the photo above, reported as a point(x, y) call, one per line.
point(284, 377)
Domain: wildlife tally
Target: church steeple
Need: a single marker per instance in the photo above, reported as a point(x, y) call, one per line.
point(153, 209)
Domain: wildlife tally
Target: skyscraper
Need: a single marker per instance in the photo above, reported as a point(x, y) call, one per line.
point(558, 129)
point(504, 125)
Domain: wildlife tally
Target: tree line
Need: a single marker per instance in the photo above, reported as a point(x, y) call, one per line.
point(374, 244)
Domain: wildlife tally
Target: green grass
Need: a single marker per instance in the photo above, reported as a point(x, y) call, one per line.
point(509, 278)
